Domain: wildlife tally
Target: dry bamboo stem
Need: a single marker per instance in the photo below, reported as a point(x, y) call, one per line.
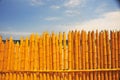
point(116, 54)
point(69, 55)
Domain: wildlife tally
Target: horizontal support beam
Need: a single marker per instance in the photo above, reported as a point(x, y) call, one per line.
point(61, 71)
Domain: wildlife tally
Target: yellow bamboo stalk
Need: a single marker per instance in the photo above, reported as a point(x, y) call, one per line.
point(21, 58)
point(113, 53)
point(32, 39)
point(73, 52)
point(5, 58)
point(87, 55)
point(10, 57)
point(47, 49)
point(26, 58)
point(101, 53)
point(65, 55)
point(1, 54)
point(60, 53)
point(57, 56)
point(69, 55)
point(116, 54)
point(6, 55)
point(105, 54)
point(79, 55)
point(94, 55)
point(47, 54)
point(1, 59)
point(41, 56)
point(60, 50)
point(65, 51)
point(44, 56)
point(54, 51)
point(9, 53)
point(54, 54)
point(79, 49)
point(51, 57)
point(22, 45)
point(109, 54)
point(98, 53)
point(83, 53)
point(119, 50)
point(90, 53)
point(17, 64)
point(31, 51)
point(36, 57)
point(76, 54)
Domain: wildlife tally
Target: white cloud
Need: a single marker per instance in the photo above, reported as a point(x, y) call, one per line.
point(55, 7)
point(73, 3)
point(72, 12)
point(36, 2)
point(109, 21)
point(101, 8)
point(52, 18)
point(15, 33)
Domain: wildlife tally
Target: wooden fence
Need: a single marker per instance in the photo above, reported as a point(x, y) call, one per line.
point(86, 56)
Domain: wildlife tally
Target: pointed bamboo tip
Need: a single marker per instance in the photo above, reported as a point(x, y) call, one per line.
point(17, 43)
point(26, 37)
point(0, 38)
point(21, 38)
point(11, 38)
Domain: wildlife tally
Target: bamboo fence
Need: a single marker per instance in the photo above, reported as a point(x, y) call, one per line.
point(80, 55)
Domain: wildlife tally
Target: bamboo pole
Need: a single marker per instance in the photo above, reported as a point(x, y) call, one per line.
point(119, 50)
point(76, 54)
point(65, 55)
point(105, 54)
point(79, 55)
point(10, 57)
point(116, 54)
point(83, 53)
point(98, 53)
point(26, 58)
point(73, 52)
point(44, 55)
point(87, 55)
point(41, 56)
point(54, 54)
point(1, 57)
point(51, 57)
point(90, 53)
point(69, 55)
point(57, 56)
point(60, 53)
point(109, 55)
point(47, 53)
point(101, 53)
point(32, 43)
point(113, 53)
point(94, 55)
point(6, 58)
point(36, 58)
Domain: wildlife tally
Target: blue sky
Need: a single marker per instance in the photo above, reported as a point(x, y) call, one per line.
point(22, 17)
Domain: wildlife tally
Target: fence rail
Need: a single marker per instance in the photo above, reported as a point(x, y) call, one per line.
point(79, 55)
